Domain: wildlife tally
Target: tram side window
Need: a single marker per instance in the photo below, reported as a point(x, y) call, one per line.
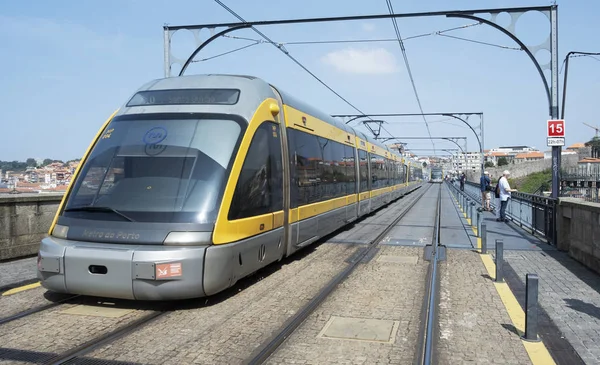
point(378, 171)
point(363, 169)
point(294, 184)
point(350, 170)
point(400, 171)
point(308, 161)
point(259, 189)
point(334, 177)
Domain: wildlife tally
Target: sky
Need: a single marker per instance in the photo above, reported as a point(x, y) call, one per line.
point(69, 64)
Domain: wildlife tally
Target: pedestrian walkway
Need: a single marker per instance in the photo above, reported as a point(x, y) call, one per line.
point(569, 293)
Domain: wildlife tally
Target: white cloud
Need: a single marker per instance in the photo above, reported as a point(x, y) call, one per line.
point(368, 27)
point(351, 60)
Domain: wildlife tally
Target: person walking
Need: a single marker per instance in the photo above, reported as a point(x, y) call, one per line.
point(463, 178)
point(505, 194)
point(486, 187)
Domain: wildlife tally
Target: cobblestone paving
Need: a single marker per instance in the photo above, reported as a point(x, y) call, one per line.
point(18, 302)
point(51, 332)
point(375, 290)
point(226, 332)
point(417, 225)
point(367, 229)
point(474, 324)
point(223, 332)
point(569, 293)
point(18, 270)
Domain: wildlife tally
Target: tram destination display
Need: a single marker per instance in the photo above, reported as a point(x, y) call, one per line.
point(185, 97)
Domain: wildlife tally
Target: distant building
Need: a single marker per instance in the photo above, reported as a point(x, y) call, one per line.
point(529, 156)
point(469, 161)
point(514, 150)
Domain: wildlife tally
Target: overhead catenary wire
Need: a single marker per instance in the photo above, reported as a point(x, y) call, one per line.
point(412, 80)
point(374, 40)
point(335, 41)
point(282, 49)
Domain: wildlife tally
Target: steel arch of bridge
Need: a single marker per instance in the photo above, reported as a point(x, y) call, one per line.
point(463, 117)
point(550, 44)
point(454, 140)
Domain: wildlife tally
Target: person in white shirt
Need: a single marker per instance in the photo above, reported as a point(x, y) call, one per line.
point(505, 194)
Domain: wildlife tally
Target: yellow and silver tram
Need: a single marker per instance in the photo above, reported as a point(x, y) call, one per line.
point(437, 175)
point(198, 181)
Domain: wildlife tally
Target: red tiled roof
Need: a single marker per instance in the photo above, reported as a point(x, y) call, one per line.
point(589, 160)
point(530, 155)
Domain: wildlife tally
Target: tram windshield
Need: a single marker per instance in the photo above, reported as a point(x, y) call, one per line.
point(156, 169)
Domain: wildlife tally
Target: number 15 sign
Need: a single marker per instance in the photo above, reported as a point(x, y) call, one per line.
point(556, 128)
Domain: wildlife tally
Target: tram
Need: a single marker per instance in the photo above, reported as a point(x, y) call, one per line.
point(198, 181)
point(437, 175)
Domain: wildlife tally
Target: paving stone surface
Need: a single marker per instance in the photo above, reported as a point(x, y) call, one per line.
point(454, 229)
point(17, 271)
point(474, 324)
point(570, 295)
point(18, 302)
point(50, 332)
point(416, 227)
point(227, 331)
point(376, 290)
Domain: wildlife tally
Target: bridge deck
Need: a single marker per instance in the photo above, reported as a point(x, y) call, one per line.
point(479, 320)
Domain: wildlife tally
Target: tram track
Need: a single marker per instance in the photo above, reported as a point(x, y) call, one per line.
point(428, 333)
point(262, 354)
point(77, 353)
point(37, 309)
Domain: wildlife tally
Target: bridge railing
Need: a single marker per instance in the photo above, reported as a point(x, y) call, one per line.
point(535, 213)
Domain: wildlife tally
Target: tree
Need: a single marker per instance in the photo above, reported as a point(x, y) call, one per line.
point(424, 164)
point(47, 161)
point(502, 161)
point(489, 164)
point(31, 162)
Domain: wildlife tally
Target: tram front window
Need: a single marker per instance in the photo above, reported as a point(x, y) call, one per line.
point(153, 169)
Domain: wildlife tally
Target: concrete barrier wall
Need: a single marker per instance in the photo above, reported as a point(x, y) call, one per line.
point(24, 221)
point(579, 231)
point(524, 168)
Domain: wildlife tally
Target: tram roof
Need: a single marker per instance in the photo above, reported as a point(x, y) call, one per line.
point(253, 91)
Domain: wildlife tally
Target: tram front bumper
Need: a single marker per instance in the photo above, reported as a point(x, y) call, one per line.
point(138, 272)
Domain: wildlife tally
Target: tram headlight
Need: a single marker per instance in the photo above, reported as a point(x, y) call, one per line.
point(60, 231)
point(188, 239)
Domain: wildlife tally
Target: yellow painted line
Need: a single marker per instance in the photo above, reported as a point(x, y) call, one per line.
point(537, 351)
point(21, 288)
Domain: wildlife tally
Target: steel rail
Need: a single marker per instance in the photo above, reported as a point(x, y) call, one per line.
point(95, 343)
point(38, 309)
point(70, 356)
point(292, 324)
point(425, 354)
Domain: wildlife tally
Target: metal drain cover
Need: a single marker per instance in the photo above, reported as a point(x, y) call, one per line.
point(360, 329)
point(398, 259)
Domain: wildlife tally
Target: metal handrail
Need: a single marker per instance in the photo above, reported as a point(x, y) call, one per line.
point(534, 212)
